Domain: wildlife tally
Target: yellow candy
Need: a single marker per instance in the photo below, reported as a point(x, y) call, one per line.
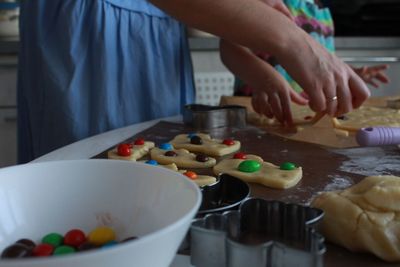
point(101, 235)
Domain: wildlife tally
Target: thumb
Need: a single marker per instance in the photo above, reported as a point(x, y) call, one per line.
point(297, 98)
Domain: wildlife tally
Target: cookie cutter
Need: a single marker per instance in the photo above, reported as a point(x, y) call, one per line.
point(208, 117)
point(261, 233)
point(226, 194)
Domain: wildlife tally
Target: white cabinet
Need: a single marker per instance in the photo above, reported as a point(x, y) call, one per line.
point(8, 111)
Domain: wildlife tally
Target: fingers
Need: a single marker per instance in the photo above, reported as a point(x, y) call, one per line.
point(382, 77)
point(285, 105)
point(331, 99)
point(344, 103)
point(317, 100)
point(379, 67)
point(359, 91)
point(298, 98)
point(274, 101)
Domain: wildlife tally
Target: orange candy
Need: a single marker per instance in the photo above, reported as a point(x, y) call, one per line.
point(191, 175)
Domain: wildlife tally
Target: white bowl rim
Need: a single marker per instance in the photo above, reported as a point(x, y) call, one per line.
point(112, 249)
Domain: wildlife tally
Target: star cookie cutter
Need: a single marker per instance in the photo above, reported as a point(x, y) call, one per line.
point(261, 233)
point(208, 117)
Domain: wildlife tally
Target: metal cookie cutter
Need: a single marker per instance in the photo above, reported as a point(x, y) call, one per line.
point(226, 194)
point(260, 234)
point(208, 117)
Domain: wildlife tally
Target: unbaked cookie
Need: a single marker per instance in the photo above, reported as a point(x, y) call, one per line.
point(200, 180)
point(253, 169)
point(131, 151)
point(366, 116)
point(166, 154)
point(203, 143)
point(364, 217)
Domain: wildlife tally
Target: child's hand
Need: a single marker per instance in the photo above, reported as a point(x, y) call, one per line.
point(272, 97)
point(373, 74)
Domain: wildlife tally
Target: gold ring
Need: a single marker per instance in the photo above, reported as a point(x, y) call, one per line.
point(331, 99)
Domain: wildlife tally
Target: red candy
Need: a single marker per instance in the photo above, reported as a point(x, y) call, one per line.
point(228, 142)
point(74, 238)
point(43, 250)
point(124, 150)
point(139, 142)
point(240, 155)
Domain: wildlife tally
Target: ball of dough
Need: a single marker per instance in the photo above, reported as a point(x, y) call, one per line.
point(364, 217)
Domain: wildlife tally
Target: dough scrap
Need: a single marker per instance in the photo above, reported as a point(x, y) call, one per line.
point(183, 159)
point(301, 115)
point(138, 151)
point(364, 217)
point(269, 175)
point(366, 116)
point(211, 147)
point(202, 180)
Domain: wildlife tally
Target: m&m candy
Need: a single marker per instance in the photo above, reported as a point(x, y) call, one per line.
point(288, 166)
point(249, 166)
point(124, 150)
point(101, 235)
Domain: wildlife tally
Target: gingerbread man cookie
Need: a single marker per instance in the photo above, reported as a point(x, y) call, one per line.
point(131, 151)
point(200, 180)
point(166, 154)
point(203, 143)
point(253, 169)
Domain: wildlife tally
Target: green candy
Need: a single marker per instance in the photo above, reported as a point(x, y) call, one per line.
point(288, 166)
point(62, 250)
point(249, 166)
point(53, 239)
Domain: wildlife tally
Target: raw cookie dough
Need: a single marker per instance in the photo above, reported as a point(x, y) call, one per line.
point(200, 180)
point(139, 148)
point(301, 115)
point(364, 217)
point(208, 146)
point(182, 159)
point(368, 117)
point(269, 174)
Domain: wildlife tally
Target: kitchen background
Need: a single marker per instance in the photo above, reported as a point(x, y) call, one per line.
point(367, 33)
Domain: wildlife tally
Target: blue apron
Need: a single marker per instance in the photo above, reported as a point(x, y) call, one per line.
point(89, 66)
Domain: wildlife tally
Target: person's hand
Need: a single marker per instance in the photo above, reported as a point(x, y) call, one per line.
point(332, 86)
point(279, 6)
point(273, 96)
point(373, 74)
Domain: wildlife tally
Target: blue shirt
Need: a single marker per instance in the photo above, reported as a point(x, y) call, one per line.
point(89, 66)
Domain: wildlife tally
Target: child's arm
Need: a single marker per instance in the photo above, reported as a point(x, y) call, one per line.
point(271, 92)
point(373, 74)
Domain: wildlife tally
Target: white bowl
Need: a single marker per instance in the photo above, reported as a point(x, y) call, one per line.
point(136, 199)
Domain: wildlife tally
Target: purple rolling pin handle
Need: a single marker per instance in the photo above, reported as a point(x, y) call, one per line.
point(378, 136)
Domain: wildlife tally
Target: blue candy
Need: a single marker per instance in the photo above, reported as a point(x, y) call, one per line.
point(152, 162)
point(166, 146)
